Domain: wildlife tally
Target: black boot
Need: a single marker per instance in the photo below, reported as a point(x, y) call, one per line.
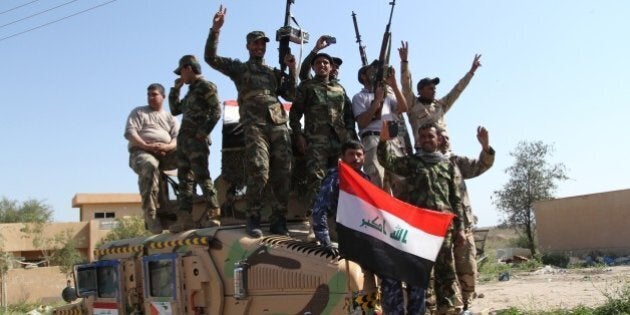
point(253, 226)
point(279, 225)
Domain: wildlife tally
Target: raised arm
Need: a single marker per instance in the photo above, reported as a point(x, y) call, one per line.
point(405, 74)
point(401, 102)
point(391, 162)
point(471, 168)
point(450, 98)
point(305, 68)
point(173, 97)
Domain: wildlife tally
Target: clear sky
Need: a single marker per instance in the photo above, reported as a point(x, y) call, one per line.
point(552, 71)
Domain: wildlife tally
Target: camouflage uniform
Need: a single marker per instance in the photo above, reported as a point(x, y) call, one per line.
point(267, 141)
point(422, 112)
point(431, 185)
point(151, 126)
point(328, 124)
point(201, 112)
point(465, 254)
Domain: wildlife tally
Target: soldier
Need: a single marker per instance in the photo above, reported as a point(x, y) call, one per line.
point(152, 135)
point(425, 109)
point(431, 177)
point(370, 110)
point(305, 69)
point(268, 144)
point(201, 111)
point(465, 252)
point(328, 122)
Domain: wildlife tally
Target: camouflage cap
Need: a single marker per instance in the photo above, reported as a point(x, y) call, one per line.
point(188, 60)
point(256, 35)
point(426, 81)
point(319, 55)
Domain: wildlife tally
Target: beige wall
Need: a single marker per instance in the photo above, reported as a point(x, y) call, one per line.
point(42, 284)
point(120, 210)
point(584, 224)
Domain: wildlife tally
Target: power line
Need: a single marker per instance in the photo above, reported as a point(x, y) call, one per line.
point(58, 20)
point(19, 6)
point(38, 13)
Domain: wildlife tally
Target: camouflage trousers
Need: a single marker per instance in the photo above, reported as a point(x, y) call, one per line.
point(443, 294)
point(268, 161)
point(390, 182)
point(148, 167)
point(392, 299)
point(322, 153)
point(466, 266)
point(192, 168)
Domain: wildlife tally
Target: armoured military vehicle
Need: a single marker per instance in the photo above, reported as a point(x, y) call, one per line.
point(220, 270)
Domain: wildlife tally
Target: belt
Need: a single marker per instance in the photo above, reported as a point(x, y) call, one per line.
point(370, 133)
point(253, 93)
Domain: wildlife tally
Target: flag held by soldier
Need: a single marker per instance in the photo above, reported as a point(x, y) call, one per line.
point(386, 235)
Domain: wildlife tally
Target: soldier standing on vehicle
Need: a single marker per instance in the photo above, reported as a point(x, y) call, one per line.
point(465, 253)
point(323, 42)
point(201, 112)
point(152, 135)
point(425, 109)
point(431, 179)
point(370, 110)
point(328, 122)
point(268, 144)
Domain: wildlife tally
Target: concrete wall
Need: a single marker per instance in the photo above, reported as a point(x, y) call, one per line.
point(120, 210)
point(585, 224)
point(34, 285)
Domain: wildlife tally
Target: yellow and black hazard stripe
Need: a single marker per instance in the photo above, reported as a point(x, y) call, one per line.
point(367, 301)
point(189, 241)
point(118, 250)
point(72, 311)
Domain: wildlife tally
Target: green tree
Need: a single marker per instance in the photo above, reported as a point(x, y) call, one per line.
point(31, 210)
point(127, 227)
point(65, 253)
point(532, 178)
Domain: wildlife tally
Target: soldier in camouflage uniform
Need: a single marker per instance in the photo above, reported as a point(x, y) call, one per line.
point(152, 135)
point(328, 122)
point(465, 253)
point(431, 180)
point(201, 111)
point(305, 68)
point(267, 140)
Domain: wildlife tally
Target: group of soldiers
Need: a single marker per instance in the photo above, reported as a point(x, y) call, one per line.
point(425, 172)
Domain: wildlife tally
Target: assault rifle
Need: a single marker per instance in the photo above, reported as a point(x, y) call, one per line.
point(364, 60)
point(286, 34)
point(382, 64)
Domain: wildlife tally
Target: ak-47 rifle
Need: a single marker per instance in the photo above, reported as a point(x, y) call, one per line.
point(286, 34)
point(382, 64)
point(364, 60)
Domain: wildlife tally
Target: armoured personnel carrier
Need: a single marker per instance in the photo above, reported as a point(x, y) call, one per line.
point(221, 270)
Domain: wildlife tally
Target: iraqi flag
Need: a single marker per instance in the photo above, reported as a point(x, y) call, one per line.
point(385, 235)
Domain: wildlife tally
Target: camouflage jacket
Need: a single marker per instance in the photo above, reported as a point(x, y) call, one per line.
point(257, 85)
point(325, 108)
point(470, 168)
point(430, 185)
point(200, 108)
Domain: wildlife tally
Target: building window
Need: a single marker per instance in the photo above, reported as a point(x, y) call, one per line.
point(104, 215)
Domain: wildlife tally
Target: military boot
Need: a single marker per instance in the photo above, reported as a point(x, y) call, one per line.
point(253, 226)
point(184, 222)
point(278, 225)
point(152, 223)
point(211, 218)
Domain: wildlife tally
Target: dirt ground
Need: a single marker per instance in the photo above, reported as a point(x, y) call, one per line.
point(551, 288)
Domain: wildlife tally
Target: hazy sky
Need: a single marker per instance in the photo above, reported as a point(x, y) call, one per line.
point(552, 71)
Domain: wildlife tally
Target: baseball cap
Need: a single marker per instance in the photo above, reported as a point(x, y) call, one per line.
point(426, 81)
point(325, 55)
point(256, 35)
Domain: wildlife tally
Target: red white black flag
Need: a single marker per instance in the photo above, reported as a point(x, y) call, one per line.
point(385, 235)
